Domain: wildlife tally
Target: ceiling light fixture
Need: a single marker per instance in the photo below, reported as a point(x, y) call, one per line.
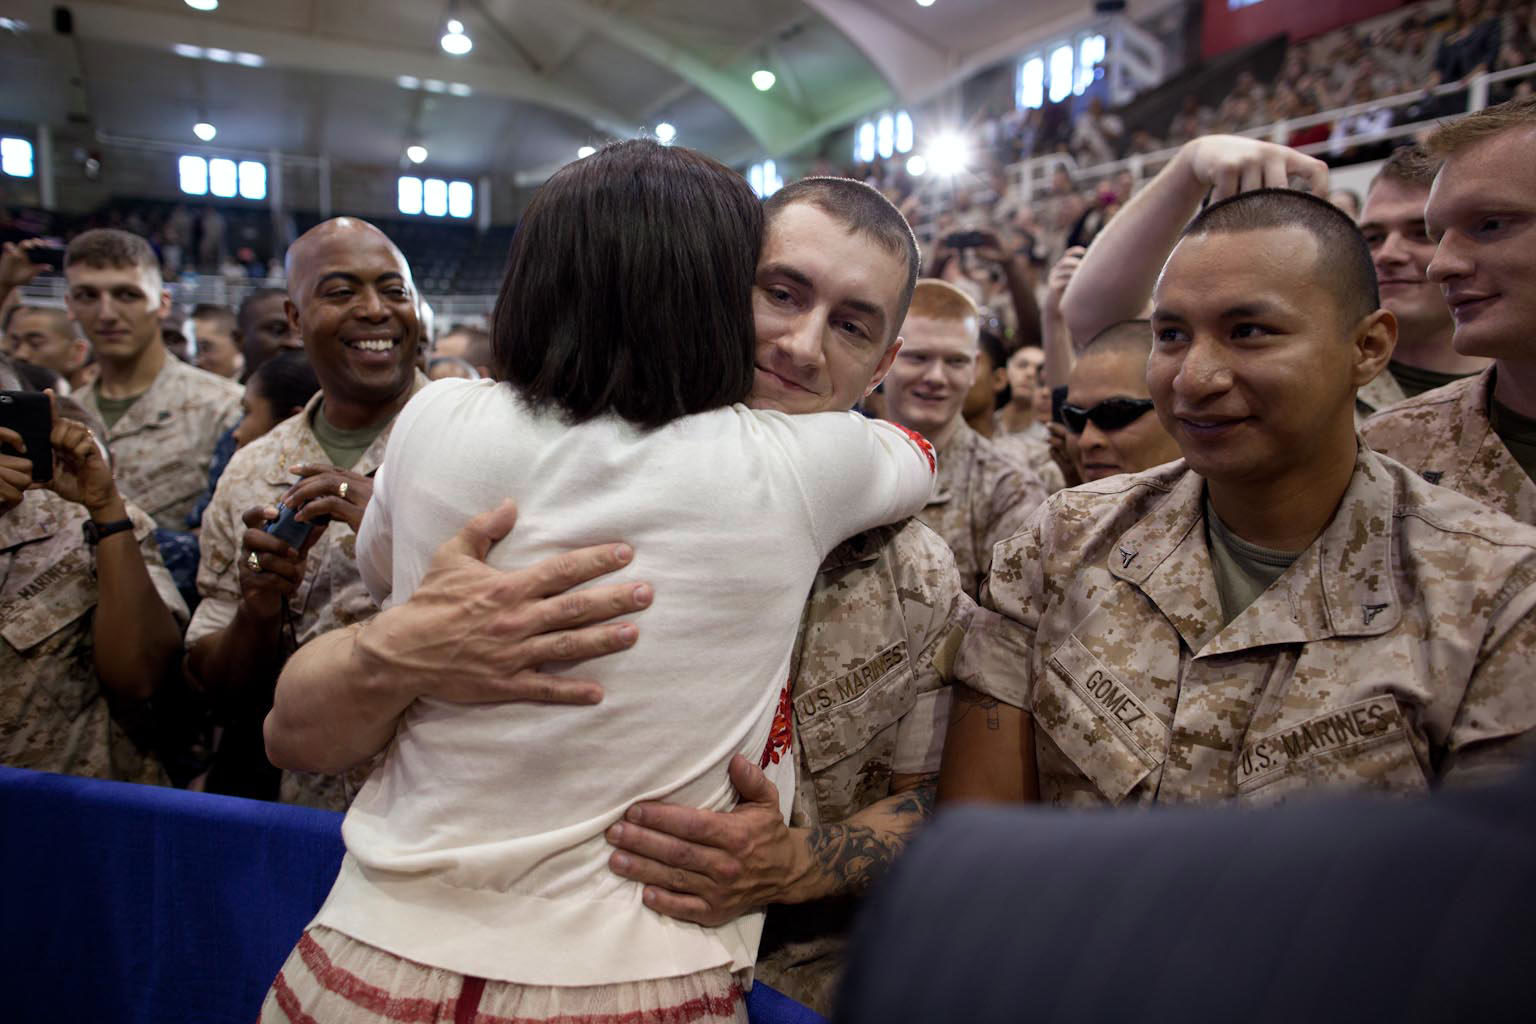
point(454, 41)
point(665, 133)
point(763, 79)
point(188, 50)
point(204, 131)
point(409, 82)
point(584, 152)
point(459, 89)
point(416, 154)
point(434, 85)
point(203, 5)
point(917, 165)
point(250, 60)
point(218, 55)
point(949, 155)
point(925, 3)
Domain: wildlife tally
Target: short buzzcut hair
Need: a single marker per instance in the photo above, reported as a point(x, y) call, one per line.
point(1454, 136)
point(109, 248)
point(629, 287)
point(255, 295)
point(1125, 336)
point(863, 210)
point(1344, 258)
point(939, 300)
point(223, 315)
point(1408, 165)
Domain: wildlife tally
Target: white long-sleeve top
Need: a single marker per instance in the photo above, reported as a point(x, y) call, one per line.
point(477, 845)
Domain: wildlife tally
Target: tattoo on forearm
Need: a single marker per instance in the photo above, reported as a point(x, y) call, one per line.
point(856, 855)
point(917, 803)
point(968, 700)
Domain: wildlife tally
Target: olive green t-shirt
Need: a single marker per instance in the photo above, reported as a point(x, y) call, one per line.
point(112, 409)
point(1415, 381)
point(1518, 434)
point(1243, 571)
point(343, 447)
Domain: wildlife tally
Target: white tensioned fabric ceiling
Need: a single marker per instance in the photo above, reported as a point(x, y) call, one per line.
point(544, 77)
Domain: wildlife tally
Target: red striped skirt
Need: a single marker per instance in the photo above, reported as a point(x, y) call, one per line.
point(331, 978)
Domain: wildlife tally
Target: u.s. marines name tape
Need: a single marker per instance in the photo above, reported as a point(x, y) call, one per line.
point(850, 685)
point(1352, 725)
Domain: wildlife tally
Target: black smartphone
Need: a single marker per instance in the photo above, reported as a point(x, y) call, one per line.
point(28, 413)
point(1058, 399)
point(288, 529)
point(50, 256)
point(966, 240)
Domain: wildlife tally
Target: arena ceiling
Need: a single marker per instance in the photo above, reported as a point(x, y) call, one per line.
point(544, 77)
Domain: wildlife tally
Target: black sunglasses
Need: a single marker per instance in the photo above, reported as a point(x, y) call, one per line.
point(1110, 414)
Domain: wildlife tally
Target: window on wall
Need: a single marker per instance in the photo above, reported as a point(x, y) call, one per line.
point(764, 179)
point(884, 135)
point(435, 197)
point(16, 157)
point(1064, 68)
point(222, 178)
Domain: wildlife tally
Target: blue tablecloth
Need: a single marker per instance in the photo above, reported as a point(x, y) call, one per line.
point(143, 905)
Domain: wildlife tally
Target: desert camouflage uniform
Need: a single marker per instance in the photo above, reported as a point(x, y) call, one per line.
point(872, 668)
point(1396, 651)
point(1445, 436)
point(332, 594)
point(162, 445)
point(981, 498)
point(1034, 454)
point(53, 711)
point(1381, 392)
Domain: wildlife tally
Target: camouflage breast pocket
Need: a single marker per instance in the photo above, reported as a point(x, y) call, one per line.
point(1097, 721)
point(1364, 745)
point(167, 484)
point(839, 717)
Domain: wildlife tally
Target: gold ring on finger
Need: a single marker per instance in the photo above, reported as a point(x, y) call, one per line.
point(254, 562)
point(342, 490)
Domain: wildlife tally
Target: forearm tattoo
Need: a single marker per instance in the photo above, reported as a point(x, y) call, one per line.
point(967, 700)
point(856, 855)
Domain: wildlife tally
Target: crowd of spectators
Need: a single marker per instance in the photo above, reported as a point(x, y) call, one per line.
point(1156, 564)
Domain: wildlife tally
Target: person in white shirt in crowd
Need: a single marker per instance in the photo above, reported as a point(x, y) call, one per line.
point(620, 418)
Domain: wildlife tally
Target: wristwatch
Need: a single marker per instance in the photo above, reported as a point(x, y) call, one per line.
point(94, 531)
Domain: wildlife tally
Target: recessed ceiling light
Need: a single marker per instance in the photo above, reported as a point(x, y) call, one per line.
point(203, 5)
point(917, 165)
point(925, 3)
point(454, 41)
point(250, 60)
point(584, 152)
point(188, 50)
point(459, 89)
point(665, 133)
point(433, 85)
point(763, 79)
point(416, 154)
point(204, 131)
point(409, 82)
point(218, 55)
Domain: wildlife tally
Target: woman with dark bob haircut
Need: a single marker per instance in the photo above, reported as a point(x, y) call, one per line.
point(476, 864)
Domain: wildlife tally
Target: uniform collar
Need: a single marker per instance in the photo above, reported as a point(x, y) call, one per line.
point(1341, 585)
point(860, 549)
point(297, 442)
point(145, 411)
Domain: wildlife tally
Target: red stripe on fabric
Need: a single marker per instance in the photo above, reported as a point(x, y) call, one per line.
point(360, 993)
point(288, 1002)
point(682, 1013)
point(468, 1006)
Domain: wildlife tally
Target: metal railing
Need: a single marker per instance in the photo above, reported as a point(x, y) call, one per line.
point(218, 291)
point(1025, 179)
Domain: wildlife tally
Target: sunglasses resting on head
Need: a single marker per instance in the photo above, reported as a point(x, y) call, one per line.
point(1109, 415)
